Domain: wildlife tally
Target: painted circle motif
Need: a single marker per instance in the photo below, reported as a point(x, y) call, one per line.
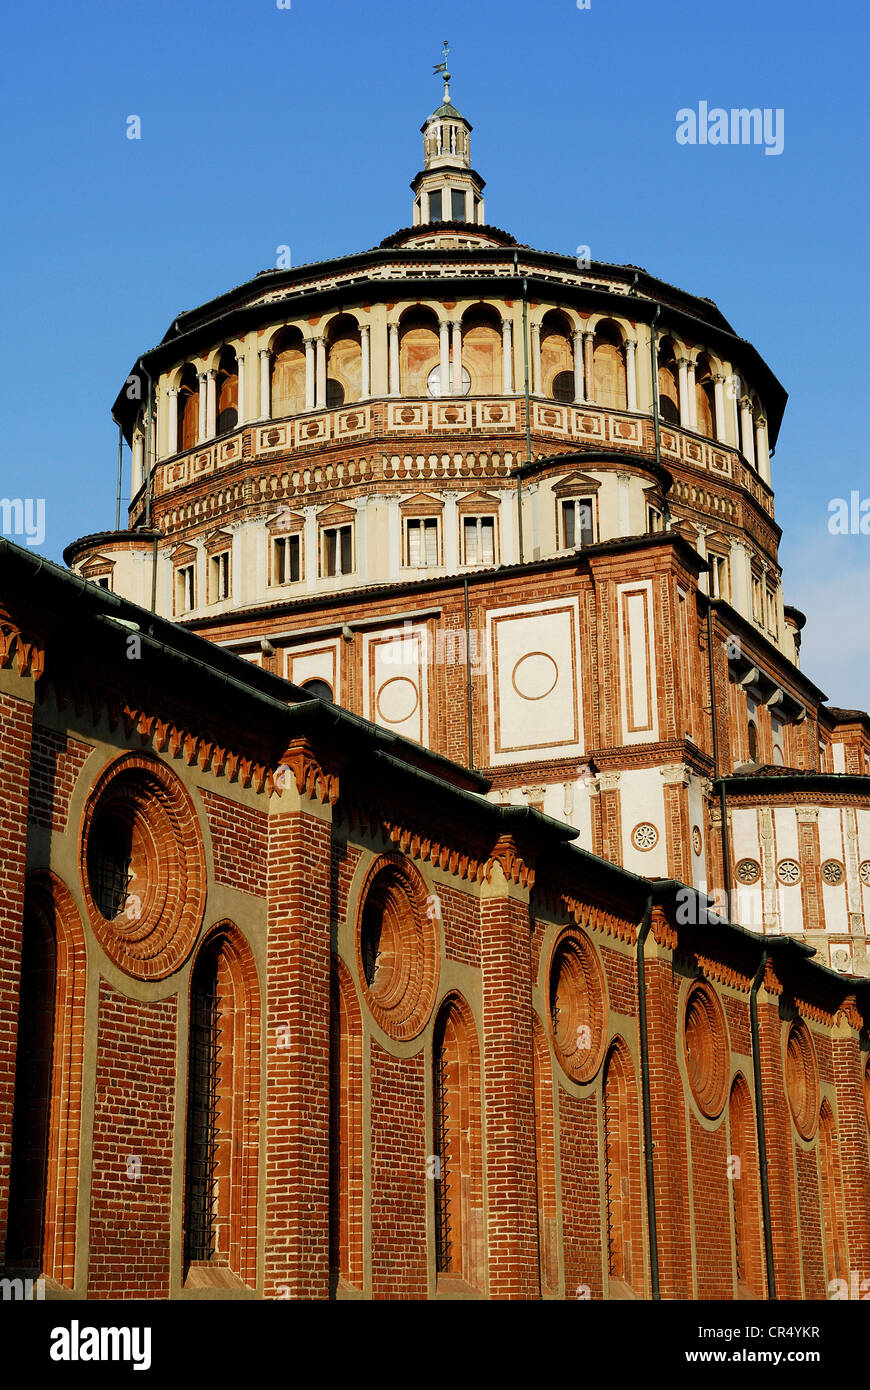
point(397, 948)
point(864, 872)
point(748, 871)
point(788, 871)
point(697, 839)
point(534, 675)
point(802, 1079)
point(578, 1004)
point(833, 872)
point(397, 700)
point(644, 836)
point(705, 1041)
point(142, 867)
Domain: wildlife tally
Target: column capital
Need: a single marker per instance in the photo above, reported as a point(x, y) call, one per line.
point(534, 328)
point(202, 376)
point(264, 352)
point(630, 344)
point(172, 390)
point(719, 378)
point(760, 422)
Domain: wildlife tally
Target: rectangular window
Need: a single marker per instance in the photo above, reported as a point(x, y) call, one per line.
point(102, 580)
point(757, 600)
point(286, 559)
point(184, 588)
point(654, 519)
point(421, 542)
point(577, 526)
point(219, 576)
point(718, 576)
point(457, 199)
point(771, 612)
point(435, 206)
point(337, 550)
point(478, 534)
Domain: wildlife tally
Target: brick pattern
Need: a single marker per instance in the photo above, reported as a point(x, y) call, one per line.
point(581, 1166)
point(461, 918)
point(239, 836)
point(708, 1157)
point(131, 1186)
point(58, 758)
point(853, 1145)
point(399, 1184)
point(812, 1256)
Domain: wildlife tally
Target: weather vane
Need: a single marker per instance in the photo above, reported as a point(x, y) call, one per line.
point(440, 70)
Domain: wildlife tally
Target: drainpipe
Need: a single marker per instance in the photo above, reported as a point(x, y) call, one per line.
point(470, 707)
point(647, 1107)
point(717, 772)
point(120, 472)
point(759, 1125)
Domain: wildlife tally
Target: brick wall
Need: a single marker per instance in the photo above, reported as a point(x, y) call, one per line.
point(399, 1151)
point(238, 835)
point(58, 758)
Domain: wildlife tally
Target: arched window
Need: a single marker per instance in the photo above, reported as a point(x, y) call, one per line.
point(227, 391)
point(743, 1172)
point(343, 362)
point(321, 689)
point(44, 1155)
point(481, 350)
point(669, 391)
point(557, 357)
point(832, 1197)
point(545, 1149)
point(223, 1106)
point(188, 409)
point(345, 1131)
point(705, 398)
point(609, 367)
point(752, 736)
point(419, 351)
point(459, 1233)
point(288, 374)
point(622, 1172)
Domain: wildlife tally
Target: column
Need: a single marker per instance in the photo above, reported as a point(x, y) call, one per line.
point(444, 360)
point(683, 364)
point(578, 364)
point(624, 485)
point(736, 387)
point(172, 434)
point(719, 402)
point(138, 466)
point(469, 205)
point(456, 329)
point(309, 373)
point(747, 443)
point(762, 453)
point(631, 373)
point(320, 375)
point(589, 365)
point(701, 547)
point(265, 393)
point(201, 420)
point(393, 330)
point(242, 412)
point(535, 330)
point(507, 357)
point(365, 362)
point(741, 589)
point(424, 206)
point(691, 394)
point(211, 404)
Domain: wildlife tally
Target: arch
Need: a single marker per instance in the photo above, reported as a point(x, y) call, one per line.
point(545, 1152)
point(459, 1231)
point(482, 349)
point(608, 364)
point(227, 391)
point(622, 1167)
point(705, 397)
point(557, 356)
point(44, 1159)
point(419, 349)
point(345, 1130)
point(836, 1259)
point(223, 1107)
point(752, 740)
point(318, 687)
point(668, 380)
point(745, 1181)
point(343, 361)
point(188, 408)
point(287, 373)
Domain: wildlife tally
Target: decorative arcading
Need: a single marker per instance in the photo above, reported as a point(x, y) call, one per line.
point(600, 919)
point(664, 933)
point(439, 853)
point(511, 863)
point(725, 974)
point(815, 1012)
point(313, 776)
point(849, 1011)
point(772, 983)
point(14, 646)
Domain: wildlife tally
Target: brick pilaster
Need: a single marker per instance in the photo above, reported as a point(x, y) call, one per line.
point(853, 1138)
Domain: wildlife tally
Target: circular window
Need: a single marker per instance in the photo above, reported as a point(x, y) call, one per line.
point(864, 871)
point(697, 839)
point(143, 867)
point(748, 871)
point(397, 947)
point(577, 1004)
point(644, 836)
point(319, 688)
point(833, 872)
point(788, 871)
point(802, 1079)
point(705, 1038)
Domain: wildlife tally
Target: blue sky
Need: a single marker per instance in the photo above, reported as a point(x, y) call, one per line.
point(264, 126)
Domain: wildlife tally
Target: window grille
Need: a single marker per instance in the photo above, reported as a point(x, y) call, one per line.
point(204, 1051)
point(443, 1239)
